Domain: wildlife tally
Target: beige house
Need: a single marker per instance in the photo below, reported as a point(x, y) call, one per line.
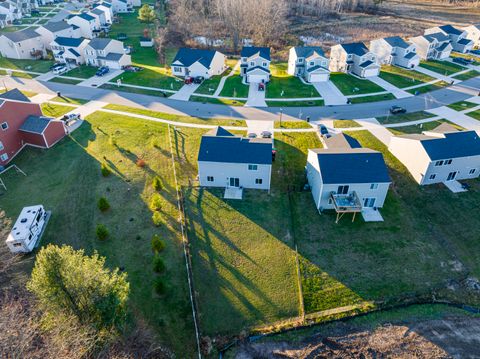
point(22, 45)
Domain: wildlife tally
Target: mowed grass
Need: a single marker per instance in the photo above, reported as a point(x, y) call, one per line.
point(32, 65)
point(234, 87)
point(289, 87)
point(476, 59)
point(69, 100)
point(467, 75)
point(54, 110)
point(428, 88)
point(442, 67)
point(62, 80)
point(427, 126)
point(462, 105)
point(373, 98)
point(345, 124)
point(474, 114)
point(405, 117)
point(351, 85)
point(66, 179)
point(291, 124)
point(83, 72)
point(216, 101)
point(402, 78)
point(295, 103)
point(209, 86)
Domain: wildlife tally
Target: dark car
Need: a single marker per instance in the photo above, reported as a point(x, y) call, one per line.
point(261, 86)
point(102, 71)
point(395, 110)
point(252, 135)
point(198, 79)
point(323, 130)
point(266, 134)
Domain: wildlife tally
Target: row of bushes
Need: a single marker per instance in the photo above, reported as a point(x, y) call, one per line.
point(158, 245)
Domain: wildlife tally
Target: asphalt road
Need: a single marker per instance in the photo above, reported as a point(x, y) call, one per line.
point(427, 101)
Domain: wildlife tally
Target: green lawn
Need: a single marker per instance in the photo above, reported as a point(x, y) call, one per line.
point(402, 78)
point(462, 105)
point(54, 110)
point(66, 179)
point(295, 103)
point(289, 87)
point(234, 88)
point(428, 88)
point(62, 80)
point(467, 56)
point(467, 75)
point(405, 117)
point(177, 118)
point(291, 124)
point(82, 72)
point(374, 98)
point(345, 124)
point(155, 77)
point(209, 86)
point(475, 114)
point(427, 126)
point(19, 74)
point(32, 65)
point(141, 91)
point(69, 100)
point(217, 101)
point(442, 67)
point(26, 93)
point(350, 85)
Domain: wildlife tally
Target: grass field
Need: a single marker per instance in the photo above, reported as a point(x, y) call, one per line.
point(297, 103)
point(69, 100)
point(32, 65)
point(26, 93)
point(62, 80)
point(82, 72)
point(209, 86)
point(234, 87)
point(290, 87)
point(350, 85)
point(374, 98)
point(467, 75)
point(427, 126)
point(291, 124)
point(475, 114)
point(428, 88)
point(402, 78)
point(217, 101)
point(467, 56)
point(345, 124)
point(54, 110)
point(442, 67)
point(462, 105)
point(23, 75)
point(405, 117)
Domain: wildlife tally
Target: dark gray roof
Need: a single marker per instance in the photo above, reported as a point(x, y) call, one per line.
point(397, 41)
point(315, 68)
point(99, 43)
point(258, 68)
point(465, 41)
point(352, 166)
point(307, 51)
point(56, 26)
point(97, 12)
point(219, 145)
point(449, 29)
point(14, 94)
point(86, 16)
point(113, 56)
point(443, 46)
point(454, 145)
point(75, 53)
point(367, 63)
point(248, 51)
point(356, 48)
point(188, 57)
point(441, 37)
point(342, 141)
point(35, 124)
point(69, 41)
point(21, 35)
point(410, 55)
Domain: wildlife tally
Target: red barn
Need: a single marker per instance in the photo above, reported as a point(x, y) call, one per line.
point(23, 124)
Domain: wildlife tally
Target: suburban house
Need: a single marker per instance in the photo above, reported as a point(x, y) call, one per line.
point(4, 21)
point(10, 11)
point(440, 155)
point(345, 177)
point(69, 50)
point(24, 44)
point(23, 124)
point(196, 62)
point(122, 6)
point(433, 46)
point(106, 52)
point(458, 38)
point(395, 51)
point(103, 15)
point(354, 58)
point(87, 24)
point(255, 64)
point(106, 8)
point(473, 33)
point(51, 30)
point(226, 160)
point(308, 62)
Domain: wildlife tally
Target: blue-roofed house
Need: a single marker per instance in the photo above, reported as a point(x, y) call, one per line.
point(441, 155)
point(87, 24)
point(69, 50)
point(458, 37)
point(346, 177)
point(473, 33)
point(51, 30)
point(308, 62)
point(435, 46)
point(226, 160)
point(395, 51)
point(255, 64)
point(354, 58)
point(106, 52)
point(198, 62)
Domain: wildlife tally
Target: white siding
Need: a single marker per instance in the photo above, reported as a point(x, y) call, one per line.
point(221, 172)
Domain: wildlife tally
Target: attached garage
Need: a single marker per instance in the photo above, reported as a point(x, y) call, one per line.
point(321, 77)
point(257, 75)
point(371, 72)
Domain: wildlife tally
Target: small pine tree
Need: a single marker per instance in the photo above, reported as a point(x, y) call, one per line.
point(101, 231)
point(105, 170)
point(157, 218)
point(146, 14)
point(157, 244)
point(159, 286)
point(157, 184)
point(103, 204)
point(158, 265)
point(156, 202)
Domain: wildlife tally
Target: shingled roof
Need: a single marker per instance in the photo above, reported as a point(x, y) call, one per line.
point(188, 56)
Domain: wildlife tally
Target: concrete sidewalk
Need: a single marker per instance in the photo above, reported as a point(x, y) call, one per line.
point(458, 118)
point(330, 93)
point(185, 92)
point(394, 90)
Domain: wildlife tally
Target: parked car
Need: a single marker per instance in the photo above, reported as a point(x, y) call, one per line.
point(60, 70)
point(252, 135)
point(261, 86)
point(188, 80)
point(131, 68)
point(323, 129)
point(102, 71)
point(71, 117)
point(198, 79)
point(58, 64)
point(266, 134)
point(395, 110)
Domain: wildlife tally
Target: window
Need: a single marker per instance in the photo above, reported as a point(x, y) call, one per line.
point(177, 69)
point(258, 181)
point(252, 63)
point(17, 244)
point(265, 64)
point(312, 63)
point(343, 189)
point(300, 60)
point(252, 167)
point(210, 179)
point(447, 162)
point(439, 163)
point(374, 186)
point(1, 146)
point(4, 126)
point(4, 157)
point(432, 177)
point(472, 171)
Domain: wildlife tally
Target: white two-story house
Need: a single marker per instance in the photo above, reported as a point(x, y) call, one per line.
point(473, 33)
point(69, 50)
point(122, 6)
point(23, 44)
point(51, 30)
point(255, 64)
point(440, 155)
point(226, 160)
point(395, 51)
point(458, 38)
point(87, 24)
point(433, 46)
point(354, 59)
point(107, 8)
point(197, 62)
point(343, 174)
point(102, 14)
point(308, 62)
point(106, 52)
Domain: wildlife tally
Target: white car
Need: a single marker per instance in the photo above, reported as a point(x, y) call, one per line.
point(60, 70)
point(70, 117)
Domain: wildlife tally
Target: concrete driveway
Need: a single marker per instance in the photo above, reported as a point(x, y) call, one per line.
point(258, 126)
point(330, 93)
point(256, 98)
point(97, 81)
point(185, 92)
point(394, 90)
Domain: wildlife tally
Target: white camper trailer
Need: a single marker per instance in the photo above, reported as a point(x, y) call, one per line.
point(27, 229)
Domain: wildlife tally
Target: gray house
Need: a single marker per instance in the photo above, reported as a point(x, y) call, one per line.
point(226, 160)
point(354, 59)
point(395, 51)
point(308, 62)
point(458, 38)
point(346, 177)
point(433, 46)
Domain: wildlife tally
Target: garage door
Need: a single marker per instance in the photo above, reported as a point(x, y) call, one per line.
point(370, 72)
point(318, 77)
point(257, 78)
